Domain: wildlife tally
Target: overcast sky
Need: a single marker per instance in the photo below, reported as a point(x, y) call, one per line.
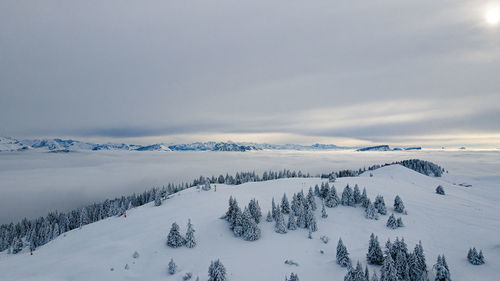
point(421, 72)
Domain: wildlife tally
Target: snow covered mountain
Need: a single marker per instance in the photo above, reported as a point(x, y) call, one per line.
point(61, 145)
point(445, 224)
point(10, 144)
point(387, 148)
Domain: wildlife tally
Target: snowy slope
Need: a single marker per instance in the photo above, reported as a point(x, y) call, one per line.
point(448, 224)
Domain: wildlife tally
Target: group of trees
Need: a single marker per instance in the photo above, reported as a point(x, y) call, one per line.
point(300, 213)
point(474, 257)
point(421, 166)
point(176, 240)
point(394, 223)
point(244, 224)
point(37, 232)
point(397, 264)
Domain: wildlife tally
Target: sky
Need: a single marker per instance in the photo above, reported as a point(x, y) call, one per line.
point(345, 72)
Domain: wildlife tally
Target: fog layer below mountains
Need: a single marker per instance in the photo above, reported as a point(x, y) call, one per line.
point(34, 183)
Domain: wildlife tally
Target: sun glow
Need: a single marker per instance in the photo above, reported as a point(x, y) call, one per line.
point(492, 16)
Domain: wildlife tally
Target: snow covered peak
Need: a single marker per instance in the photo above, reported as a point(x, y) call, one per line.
point(10, 144)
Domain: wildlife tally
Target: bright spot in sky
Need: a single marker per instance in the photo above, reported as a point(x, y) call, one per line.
point(493, 16)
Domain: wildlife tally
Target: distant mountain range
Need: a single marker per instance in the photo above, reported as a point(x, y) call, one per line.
point(387, 148)
point(67, 145)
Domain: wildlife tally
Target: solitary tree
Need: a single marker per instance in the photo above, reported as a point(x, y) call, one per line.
point(172, 267)
point(440, 190)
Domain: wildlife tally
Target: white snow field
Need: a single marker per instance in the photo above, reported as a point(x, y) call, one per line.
point(450, 225)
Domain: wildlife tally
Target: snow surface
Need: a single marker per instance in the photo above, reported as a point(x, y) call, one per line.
point(449, 225)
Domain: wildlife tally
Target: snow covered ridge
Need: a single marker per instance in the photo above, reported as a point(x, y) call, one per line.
point(61, 145)
point(388, 148)
point(42, 230)
point(346, 243)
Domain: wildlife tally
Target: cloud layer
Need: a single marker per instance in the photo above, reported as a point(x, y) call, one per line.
point(384, 71)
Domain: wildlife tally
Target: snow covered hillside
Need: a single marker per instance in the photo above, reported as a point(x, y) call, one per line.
point(465, 217)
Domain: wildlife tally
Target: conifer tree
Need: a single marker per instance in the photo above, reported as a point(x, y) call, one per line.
point(216, 271)
point(175, 238)
point(342, 255)
point(269, 217)
point(401, 265)
point(364, 199)
point(273, 209)
point(399, 222)
point(481, 257)
point(325, 189)
point(374, 277)
point(442, 273)
point(420, 259)
point(285, 205)
point(316, 190)
point(250, 229)
point(374, 255)
point(17, 245)
point(293, 277)
point(157, 198)
point(367, 274)
point(331, 198)
point(388, 271)
point(279, 226)
point(356, 194)
point(238, 222)
point(380, 205)
point(310, 200)
point(292, 224)
point(255, 211)
point(323, 211)
point(370, 211)
point(311, 220)
point(347, 197)
point(301, 216)
point(440, 190)
point(391, 222)
point(190, 239)
point(399, 207)
point(84, 218)
point(172, 267)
